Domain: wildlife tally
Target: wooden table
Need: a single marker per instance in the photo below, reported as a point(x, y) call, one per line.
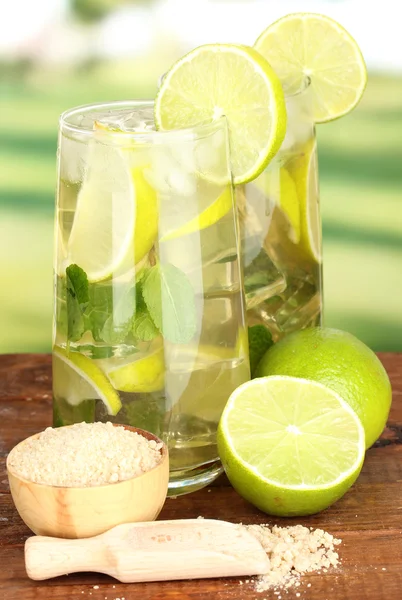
point(368, 518)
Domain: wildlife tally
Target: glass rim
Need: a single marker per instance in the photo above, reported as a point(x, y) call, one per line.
point(196, 131)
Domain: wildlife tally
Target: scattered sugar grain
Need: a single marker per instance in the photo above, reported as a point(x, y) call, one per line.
point(96, 587)
point(84, 455)
point(293, 551)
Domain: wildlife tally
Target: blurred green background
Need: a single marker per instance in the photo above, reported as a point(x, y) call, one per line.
point(82, 51)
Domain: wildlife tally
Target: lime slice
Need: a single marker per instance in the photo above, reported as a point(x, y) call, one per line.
point(116, 218)
point(290, 446)
point(144, 375)
point(303, 46)
point(279, 186)
point(214, 80)
point(76, 378)
point(211, 215)
point(303, 169)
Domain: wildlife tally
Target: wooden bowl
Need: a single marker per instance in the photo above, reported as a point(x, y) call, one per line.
point(72, 512)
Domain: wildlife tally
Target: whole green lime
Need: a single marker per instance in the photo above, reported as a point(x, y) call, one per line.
point(343, 363)
point(259, 341)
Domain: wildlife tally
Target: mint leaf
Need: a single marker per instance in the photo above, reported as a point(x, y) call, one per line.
point(99, 309)
point(169, 297)
point(79, 283)
point(110, 310)
point(143, 328)
point(117, 325)
point(76, 301)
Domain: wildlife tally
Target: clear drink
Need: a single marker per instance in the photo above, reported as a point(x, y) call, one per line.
point(281, 231)
point(149, 326)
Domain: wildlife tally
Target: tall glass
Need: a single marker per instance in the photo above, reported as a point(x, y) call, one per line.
point(149, 323)
point(281, 231)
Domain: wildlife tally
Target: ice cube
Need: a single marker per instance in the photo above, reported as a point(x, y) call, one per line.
point(129, 120)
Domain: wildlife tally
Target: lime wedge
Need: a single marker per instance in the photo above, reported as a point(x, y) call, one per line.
point(304, 46)
point(116, 218)
point(290, 446)
point(303, 169)
point(76, 378)
point(214, 80)
point(279, 186)
point(211, 215)
point(144, 375)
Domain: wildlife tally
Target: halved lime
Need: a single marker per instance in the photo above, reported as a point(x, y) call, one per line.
point(234, 81)
point(77, 378)
point(304, 171)
point(116, 218)
point(211, 215)
point(290, 446)
point(309, 46)
point(144, 374)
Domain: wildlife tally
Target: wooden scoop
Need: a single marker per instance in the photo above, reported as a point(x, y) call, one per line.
point(154, 551)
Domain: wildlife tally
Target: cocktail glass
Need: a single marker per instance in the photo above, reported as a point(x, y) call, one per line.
point(149, 322)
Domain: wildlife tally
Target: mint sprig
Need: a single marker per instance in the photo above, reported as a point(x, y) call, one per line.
point(161, 302)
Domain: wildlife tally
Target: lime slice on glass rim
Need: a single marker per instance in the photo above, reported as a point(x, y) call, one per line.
point(214, 81)
point(77, 378)
point(309, 46)
point(116, 218)
point(290, 446)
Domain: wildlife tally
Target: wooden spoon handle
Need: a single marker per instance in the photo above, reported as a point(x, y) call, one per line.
point(47, 557)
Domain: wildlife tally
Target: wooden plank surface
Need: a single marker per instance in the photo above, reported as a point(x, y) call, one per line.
point(368, 518)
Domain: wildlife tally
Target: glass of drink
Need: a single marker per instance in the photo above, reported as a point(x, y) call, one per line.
point(149, 322)
point(281, 230)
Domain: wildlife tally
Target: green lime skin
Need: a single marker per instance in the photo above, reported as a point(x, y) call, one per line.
point(343, 363)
